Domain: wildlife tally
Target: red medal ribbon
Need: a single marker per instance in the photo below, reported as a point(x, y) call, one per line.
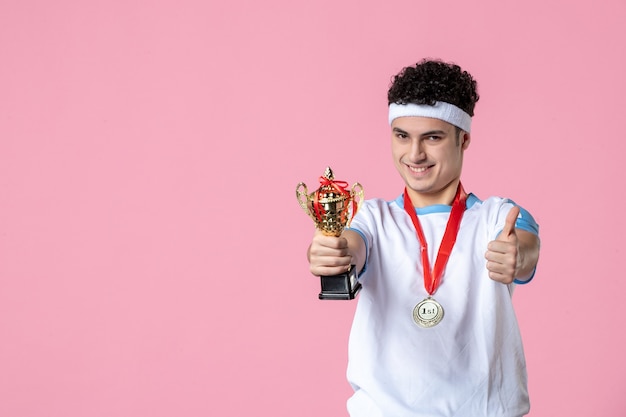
point(432, 279)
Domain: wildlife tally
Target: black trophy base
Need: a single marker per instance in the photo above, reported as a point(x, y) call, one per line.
point(340, 287)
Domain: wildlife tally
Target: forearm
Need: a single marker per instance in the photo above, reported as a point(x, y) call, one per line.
point(529, 245)
point(356, 248)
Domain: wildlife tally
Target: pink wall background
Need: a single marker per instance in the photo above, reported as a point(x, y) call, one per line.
point(152, 252)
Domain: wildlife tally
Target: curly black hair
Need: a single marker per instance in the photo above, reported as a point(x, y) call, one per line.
point(430, 81)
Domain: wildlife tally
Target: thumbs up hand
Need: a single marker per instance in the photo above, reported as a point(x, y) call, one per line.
point(503, 254)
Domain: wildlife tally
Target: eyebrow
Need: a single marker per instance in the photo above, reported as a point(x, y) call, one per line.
point(429, 133)
point(434, 132)
point(397, 129)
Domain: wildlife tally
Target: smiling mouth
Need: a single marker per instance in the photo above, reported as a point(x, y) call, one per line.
point(418, 170)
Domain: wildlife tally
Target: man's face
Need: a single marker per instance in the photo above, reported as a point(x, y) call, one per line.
point(428, 154)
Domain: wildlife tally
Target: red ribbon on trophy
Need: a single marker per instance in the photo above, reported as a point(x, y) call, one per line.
point(329, 185)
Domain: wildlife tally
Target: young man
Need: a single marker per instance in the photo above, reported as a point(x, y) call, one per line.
point(434, 332)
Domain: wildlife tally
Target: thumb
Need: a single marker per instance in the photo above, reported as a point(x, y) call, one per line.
point(509, 224)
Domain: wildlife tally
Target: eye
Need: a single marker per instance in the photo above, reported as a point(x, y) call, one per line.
point(433, 138)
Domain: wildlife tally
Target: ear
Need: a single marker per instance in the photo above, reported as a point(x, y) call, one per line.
point(465, 140)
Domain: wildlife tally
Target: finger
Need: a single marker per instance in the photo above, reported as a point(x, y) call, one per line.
point(503, 278)
point(327, 256)
point(509, 223)
point(498, 251)
point(324, 255)
point(500, 269)
point(505, 268)
point(499, 247)
point(330, 266)
point(330, 241)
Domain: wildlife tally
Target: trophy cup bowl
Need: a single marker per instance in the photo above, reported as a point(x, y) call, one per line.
point(332, 207)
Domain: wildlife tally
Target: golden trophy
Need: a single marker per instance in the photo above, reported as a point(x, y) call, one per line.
point(332, 208)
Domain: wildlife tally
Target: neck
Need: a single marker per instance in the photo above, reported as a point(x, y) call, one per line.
point(445, 196)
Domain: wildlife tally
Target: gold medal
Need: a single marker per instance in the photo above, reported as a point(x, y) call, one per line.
point(428, 313)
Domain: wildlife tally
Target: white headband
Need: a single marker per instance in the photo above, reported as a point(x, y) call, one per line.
point(441, 110)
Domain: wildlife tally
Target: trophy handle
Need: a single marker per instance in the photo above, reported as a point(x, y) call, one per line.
point(356, 196)
point(302, 194)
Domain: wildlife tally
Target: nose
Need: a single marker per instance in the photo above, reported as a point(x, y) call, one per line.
point(416, 153)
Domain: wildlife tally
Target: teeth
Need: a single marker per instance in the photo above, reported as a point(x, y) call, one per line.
point(418, 169)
